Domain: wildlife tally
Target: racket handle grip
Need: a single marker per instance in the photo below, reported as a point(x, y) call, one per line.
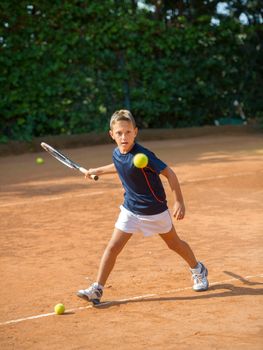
point(84, 171)
point(94, 177)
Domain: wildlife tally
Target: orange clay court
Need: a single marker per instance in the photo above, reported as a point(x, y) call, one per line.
point(55, 226)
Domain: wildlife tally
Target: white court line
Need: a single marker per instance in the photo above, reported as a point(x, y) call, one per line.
point(40, 200)
point(219, 177)
point(119, 301)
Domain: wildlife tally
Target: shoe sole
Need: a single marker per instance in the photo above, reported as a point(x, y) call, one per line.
point(93, 301)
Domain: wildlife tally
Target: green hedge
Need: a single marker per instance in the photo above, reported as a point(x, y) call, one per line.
point(67, 65)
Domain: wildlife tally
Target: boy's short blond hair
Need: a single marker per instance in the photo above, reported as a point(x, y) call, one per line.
point(122, 114)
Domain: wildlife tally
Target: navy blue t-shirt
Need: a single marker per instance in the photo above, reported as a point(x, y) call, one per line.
point(144, 192)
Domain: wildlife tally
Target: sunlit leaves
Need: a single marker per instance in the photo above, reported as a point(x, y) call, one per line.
point(66, 66)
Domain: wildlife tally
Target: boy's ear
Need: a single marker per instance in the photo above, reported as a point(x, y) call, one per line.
point(111, 134)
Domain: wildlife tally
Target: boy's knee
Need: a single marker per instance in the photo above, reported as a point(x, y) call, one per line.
point(174, 244)
point(113, 248)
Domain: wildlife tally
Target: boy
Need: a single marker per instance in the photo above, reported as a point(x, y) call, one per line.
point(145, 206)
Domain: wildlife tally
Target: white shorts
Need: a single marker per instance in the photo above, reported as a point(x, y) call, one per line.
point(148, 225)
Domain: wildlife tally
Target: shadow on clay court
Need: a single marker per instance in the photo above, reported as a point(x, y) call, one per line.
point(223, 290)
point(29, 191)
point(242, 279)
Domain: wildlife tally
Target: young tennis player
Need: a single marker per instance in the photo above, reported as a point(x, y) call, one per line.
point(144, 208)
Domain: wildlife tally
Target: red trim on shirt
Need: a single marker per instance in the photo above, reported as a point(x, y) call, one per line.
point(149, 185)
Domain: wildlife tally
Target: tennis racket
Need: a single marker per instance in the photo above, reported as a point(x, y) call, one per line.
point(65, 160)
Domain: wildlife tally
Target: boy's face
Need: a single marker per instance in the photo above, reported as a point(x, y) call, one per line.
point(123, 133)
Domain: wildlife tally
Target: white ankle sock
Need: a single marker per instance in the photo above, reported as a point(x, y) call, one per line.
point(197, 268)
point(97, 285)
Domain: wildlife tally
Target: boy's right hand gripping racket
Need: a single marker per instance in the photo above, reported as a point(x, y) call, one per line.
point(65, 160)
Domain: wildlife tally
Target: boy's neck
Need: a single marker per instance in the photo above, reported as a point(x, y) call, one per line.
point(127, 151)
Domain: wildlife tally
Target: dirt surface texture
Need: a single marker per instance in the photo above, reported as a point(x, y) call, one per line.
point(55, 225)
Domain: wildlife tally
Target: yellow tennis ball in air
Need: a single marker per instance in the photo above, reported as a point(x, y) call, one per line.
point(39, 160)
point(140, 160)
point(59, 309)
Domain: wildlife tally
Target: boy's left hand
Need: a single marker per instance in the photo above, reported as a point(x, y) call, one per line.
point(179, 210)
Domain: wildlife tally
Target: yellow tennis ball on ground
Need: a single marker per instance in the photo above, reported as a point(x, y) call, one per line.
point(39, 160)
point(59, 309)
point(140, 160)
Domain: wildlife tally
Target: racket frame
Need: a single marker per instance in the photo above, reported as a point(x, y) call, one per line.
point(65, 160)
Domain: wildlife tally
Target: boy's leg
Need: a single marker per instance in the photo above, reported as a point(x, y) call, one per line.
point(198, 270)
point(180, 247)
point(114, 247)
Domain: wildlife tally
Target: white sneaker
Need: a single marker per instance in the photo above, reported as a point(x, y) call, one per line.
point(93, 293)
point(199, 276)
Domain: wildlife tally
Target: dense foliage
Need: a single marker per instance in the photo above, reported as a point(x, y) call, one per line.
point(67, 65)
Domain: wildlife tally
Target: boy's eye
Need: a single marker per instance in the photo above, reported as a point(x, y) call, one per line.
point(119, 133)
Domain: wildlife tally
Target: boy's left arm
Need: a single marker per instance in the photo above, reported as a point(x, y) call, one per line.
point(178, 207)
